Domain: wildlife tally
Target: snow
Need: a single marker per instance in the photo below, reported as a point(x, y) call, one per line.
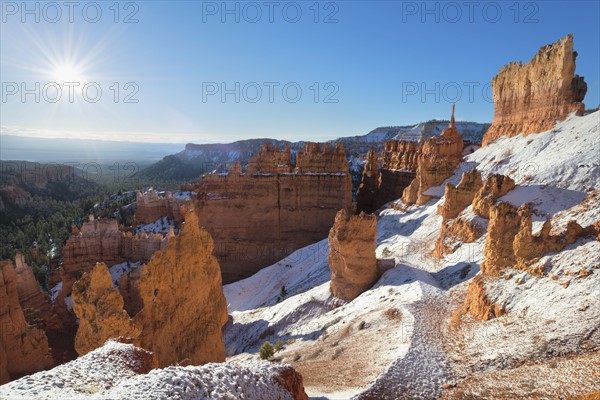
point(123, 268)
point(161, 225)
point(109, 373)
point(55, 291)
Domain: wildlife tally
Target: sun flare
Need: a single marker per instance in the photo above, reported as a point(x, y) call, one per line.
point(68, 73)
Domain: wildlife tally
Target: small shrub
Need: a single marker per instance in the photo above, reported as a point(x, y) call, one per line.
point(267, 350)
point(278, 345)
point(386, 252)
point(393, 314)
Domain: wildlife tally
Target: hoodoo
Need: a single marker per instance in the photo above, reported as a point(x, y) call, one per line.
point(530, 98)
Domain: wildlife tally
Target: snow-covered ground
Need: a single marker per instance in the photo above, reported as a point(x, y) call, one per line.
point(354, 349)
point(112, 372)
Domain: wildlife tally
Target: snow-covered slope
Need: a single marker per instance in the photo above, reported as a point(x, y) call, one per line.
point(397, 340)
point(116, 371)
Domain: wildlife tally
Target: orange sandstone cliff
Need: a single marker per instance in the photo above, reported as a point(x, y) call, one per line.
point(23, 348)
point(530, 98)
point(99, 307)
point(259, 217)
point(184, 306)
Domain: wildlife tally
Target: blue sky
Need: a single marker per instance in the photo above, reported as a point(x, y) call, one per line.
point(368, 62)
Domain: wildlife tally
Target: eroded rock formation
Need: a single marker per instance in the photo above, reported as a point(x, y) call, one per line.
point(366, 195)
point(101, 241)
point(478, 304)
point(23, 348)
point(502, 229)
point(99, 307)
point(184, 306)
point(530, 98)
point(352, 242)
point(259, 217)
point(437, 159)
point(457, 199)
point(495, 186)
point(150, 206)
point(398, 165)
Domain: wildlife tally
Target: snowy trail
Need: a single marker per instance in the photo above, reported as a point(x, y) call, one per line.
point(422, 372)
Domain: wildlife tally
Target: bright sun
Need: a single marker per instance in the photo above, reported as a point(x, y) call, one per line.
point(68, 73)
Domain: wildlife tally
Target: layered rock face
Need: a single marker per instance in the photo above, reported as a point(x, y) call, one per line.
point(352, 242)
point(530, 98)
point(99, 307)
point(184, 306)
point(150, 207)
point(437, 159)
point(101, 241)
point(457, 199)
point(398, 165)
point(23, 348)
point(259, 217)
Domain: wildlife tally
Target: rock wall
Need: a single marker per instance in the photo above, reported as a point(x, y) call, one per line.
point(437, 159)
point(398, 165)
point(150, 207)
point(352, 243)
point(23, 348)
point(184, 306)
point(530, 98)
point(259, 217)
point(99, 307)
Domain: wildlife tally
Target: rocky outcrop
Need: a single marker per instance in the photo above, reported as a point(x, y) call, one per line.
point(456, 199)
point(495, 186)
point(291, 381)
point(478, 304)
point(502, 229)
point(398, 165)
point(99, 307)
point(528, 247)
point(437, 159)
point(102, 241)
point(151, 206)
point(366, 195)
point(352, 242)
point(184, 306)
point(23, 348)
point(35, 303)
point(530, 98)
point(259, 217)
point(129, 287)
